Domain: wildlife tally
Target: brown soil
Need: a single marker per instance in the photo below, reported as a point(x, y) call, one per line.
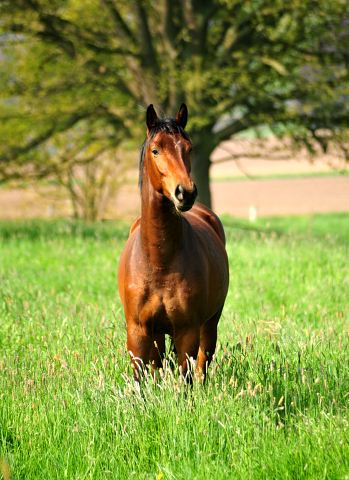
point(282, 196)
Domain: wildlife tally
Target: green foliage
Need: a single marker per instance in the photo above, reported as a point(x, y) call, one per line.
point(275, 402)
point(76, 75)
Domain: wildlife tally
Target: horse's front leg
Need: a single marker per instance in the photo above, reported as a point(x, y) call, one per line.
point(187, 346)
point(139, 344)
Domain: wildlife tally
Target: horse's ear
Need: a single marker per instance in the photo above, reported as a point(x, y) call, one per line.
point(182, 115)
point(151, 117)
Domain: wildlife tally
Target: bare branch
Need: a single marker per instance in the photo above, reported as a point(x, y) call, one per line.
point(237, 162)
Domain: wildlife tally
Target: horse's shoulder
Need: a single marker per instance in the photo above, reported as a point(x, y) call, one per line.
point(208, 217)
point(134, 225)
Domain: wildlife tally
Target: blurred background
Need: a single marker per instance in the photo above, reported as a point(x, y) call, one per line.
point(266, 84)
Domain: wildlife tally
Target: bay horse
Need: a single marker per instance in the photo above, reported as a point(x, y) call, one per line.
point(173, 273)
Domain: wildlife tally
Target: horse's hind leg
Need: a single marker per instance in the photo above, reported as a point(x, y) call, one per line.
point(208, 340)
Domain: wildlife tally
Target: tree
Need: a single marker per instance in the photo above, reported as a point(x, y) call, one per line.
point(236, 65)
point(94, 181)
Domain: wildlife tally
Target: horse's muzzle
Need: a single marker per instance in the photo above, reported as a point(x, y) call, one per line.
point(185, 198)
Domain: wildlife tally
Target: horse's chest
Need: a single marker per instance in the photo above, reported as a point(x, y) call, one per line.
point(167, 301)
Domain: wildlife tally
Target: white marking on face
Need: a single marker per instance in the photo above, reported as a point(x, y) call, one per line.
point(178, 144)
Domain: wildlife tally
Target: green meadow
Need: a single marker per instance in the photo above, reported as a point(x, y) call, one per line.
point(275, 404)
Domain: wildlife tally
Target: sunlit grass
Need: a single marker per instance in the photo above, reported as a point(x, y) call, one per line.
point(276, 401)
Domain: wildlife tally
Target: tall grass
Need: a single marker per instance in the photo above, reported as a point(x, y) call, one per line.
point(275, 404)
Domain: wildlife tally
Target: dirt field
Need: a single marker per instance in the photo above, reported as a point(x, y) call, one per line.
point(278, 196)
point(282, 196)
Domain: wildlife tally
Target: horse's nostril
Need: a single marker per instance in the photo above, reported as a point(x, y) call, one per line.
point(195, 191)
point(179, 192)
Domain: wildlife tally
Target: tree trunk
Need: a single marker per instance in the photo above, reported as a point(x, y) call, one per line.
point(203, 147)
point(200, 176)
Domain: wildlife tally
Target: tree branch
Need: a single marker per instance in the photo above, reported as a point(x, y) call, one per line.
point(60, 127)
point(170, 31)
point(235, 127)
point(120, 27)
point(145, 40)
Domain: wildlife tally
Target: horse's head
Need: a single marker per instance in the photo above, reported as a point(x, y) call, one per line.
point(167, 154)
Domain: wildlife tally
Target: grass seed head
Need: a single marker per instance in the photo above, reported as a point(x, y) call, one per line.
point(5, 470)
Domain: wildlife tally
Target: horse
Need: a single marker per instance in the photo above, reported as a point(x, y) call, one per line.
point(173, 273)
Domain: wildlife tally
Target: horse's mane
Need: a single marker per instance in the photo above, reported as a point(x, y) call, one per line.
point(167, 125)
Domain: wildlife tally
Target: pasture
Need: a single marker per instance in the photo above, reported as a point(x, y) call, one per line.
point(275, 404)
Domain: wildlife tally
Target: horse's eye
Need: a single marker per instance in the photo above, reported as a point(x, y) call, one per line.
point(155, 151)
point(191, 151)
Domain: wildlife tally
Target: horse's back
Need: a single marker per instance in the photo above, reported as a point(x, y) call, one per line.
point(134, 225)
point(204, 217)
point(206, 251)
point(127, 252)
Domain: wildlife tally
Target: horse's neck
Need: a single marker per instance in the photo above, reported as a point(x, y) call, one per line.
point(161, 228)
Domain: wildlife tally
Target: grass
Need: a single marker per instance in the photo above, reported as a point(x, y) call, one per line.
point(333, 227)
point(276, 401)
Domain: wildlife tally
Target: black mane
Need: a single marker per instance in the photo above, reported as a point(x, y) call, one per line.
point(167, 125)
